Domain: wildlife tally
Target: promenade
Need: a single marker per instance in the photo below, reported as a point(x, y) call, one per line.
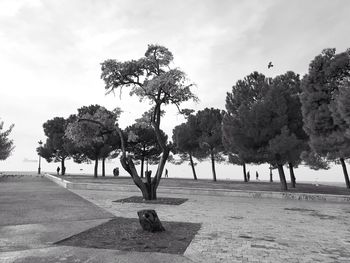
point(233, 229)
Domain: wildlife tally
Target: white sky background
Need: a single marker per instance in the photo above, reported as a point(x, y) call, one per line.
point(50, 55)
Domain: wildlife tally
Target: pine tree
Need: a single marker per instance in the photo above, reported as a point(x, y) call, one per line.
point(323, 106)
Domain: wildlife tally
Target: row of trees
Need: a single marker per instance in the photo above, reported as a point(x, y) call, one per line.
point(263, 122)
point(280, 121)
point(91, 135)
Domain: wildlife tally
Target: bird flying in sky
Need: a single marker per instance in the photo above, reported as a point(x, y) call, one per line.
point(269, 65)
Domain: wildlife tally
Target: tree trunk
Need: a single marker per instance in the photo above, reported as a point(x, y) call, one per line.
point(346, 176)
point(245, 173)
point(103, 167)
point(193, 170)
point(271, 179)
point(282, 177)
point(149, 191)
point(96, 166)
point(142, 163)
point(213, 164)
point(63, 168)
point(292, 176)
point(148, 188)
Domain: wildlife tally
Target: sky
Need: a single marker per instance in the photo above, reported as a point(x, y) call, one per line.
point(51, 51)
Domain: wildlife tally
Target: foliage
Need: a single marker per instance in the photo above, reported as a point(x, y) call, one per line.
point(314, 160)
point(142, 143)
point(324, 107)
point(244, 93)
point(243, 98)
point(207, 125)
point(247, 91)
point(150, 78)
point(343, 104)
point(57, 148)
point(321, 103)
point(6, 145)
point(186, 141)
point(93, 133)
point(268, 126)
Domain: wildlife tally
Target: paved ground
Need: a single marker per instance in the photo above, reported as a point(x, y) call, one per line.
point(35, 213)
point(251, 230)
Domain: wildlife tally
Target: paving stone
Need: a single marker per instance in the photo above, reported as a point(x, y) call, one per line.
point(238, 229)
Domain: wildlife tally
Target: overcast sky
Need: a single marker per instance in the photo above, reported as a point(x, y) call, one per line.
point(50, 52)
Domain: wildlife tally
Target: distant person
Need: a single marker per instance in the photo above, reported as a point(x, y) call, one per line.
point(166, 173)
point(248, 176)
point(58, 170)
point(257, 175)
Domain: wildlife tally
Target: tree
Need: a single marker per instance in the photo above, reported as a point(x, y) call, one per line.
point(244, 93)
point(234, 156)
point(57, 147)
point(6, 145)
point(142, 143)
point(150, 78)
point(208, 125)
point(89, 138)
point(186, 141)
point(288, 87)
point(267, 127)
point(323, 100)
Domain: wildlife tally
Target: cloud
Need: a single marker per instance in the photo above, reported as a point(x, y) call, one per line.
point(50, 51)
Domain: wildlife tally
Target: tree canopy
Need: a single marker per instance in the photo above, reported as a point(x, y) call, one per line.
point(57, 148)
point(6, 144)
point(93, 133)
point(323, 107)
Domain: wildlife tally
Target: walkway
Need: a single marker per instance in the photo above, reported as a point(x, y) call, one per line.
point(35, 213)
point(250, 230)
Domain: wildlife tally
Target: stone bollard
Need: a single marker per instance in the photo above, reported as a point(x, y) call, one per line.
point(149, 221)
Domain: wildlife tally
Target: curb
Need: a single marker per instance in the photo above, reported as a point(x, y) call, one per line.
point(204, 191)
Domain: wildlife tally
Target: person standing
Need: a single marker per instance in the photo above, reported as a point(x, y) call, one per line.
point(58, 170)
point(257, 175)
point(166, 173)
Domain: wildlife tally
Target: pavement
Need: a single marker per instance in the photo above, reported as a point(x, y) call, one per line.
point(35, 213)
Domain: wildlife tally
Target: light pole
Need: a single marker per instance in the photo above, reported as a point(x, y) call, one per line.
point(39, 168)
